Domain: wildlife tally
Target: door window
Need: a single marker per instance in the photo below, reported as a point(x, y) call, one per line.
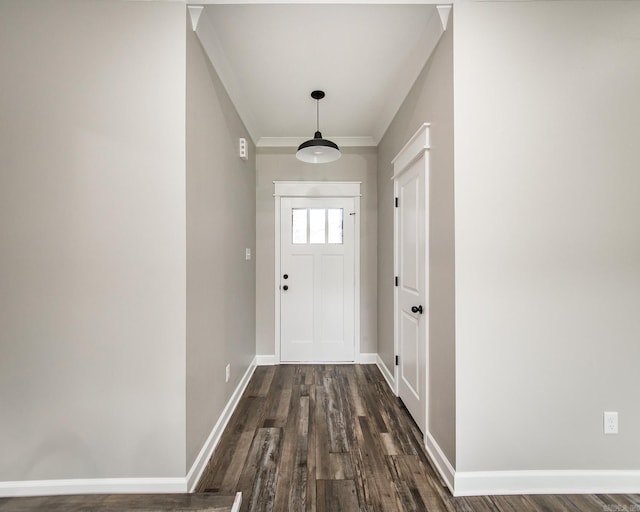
point(317, 225)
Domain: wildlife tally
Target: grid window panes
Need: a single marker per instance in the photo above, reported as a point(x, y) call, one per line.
point(317, 225)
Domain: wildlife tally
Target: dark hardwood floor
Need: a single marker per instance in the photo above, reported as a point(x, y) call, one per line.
point(324, 438)
point(120, 503)
point(334, 438)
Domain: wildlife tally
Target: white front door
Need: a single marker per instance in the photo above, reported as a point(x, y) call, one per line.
point(412, 307)
point(317, 281)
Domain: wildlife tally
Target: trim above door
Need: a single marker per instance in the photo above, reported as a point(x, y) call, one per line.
point(411, 151)
point(316, 189)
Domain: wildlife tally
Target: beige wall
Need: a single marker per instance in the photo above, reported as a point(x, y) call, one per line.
point(547, 234)
point(220, 226)
point(92, 223)
point(356, 164)
point(430, 100)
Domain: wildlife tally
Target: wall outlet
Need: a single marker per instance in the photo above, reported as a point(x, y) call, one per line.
point(610, 422)
point(227, 373)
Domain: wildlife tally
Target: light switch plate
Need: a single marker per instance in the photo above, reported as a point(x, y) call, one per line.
point(243, 148)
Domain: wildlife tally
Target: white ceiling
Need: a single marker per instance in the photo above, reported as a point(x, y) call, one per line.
point(365, 57)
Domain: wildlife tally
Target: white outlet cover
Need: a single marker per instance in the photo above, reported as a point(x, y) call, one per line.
point(610, 422)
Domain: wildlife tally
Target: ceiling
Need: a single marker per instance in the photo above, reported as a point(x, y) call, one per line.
point(365, 57)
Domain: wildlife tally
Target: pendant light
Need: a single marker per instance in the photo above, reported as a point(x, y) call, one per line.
point(318, 150)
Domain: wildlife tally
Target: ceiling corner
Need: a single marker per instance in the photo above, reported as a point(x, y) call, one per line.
point(399, 89)
point(224, 70)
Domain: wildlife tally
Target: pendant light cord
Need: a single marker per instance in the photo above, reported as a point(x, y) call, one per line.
point(317, 115)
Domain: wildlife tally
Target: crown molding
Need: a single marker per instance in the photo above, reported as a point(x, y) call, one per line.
point(218, 58)
point(294, 142)
point(398, 90)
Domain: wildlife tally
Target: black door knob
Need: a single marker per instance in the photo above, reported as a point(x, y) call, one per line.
point(286, 276)
point(417, 309)
point(285, 287)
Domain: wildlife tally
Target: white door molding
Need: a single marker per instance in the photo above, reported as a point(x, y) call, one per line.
point(316, 189)
point(413, 156)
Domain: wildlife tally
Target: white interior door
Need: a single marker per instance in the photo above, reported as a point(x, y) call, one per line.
point(317, 281)
point(412, 307)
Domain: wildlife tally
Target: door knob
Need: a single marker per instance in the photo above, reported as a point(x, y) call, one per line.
point(417, 309)
point(285, 287)
point(286, 276)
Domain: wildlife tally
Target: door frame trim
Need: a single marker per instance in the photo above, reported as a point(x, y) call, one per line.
point(415, 149)
point(309, 189)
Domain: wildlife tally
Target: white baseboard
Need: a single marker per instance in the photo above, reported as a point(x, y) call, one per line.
point(93, 486)
point(135, 485)
point(265, 360)
point(487, 483)
point(440, 461)
point(199, 465)
point(388, 376)
point(476, 483)
point(237, 502)
point(365, 358)
point(483, 483)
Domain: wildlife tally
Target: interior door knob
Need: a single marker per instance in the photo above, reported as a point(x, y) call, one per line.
point(286, 276)
point(285, 287)
point(417, 309)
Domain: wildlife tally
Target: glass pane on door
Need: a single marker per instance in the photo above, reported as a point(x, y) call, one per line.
point(334, 225)
point(317, 225)
point(299, 226)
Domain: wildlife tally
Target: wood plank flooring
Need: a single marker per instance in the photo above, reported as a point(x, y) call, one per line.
point(334, 438)
point(119, 503)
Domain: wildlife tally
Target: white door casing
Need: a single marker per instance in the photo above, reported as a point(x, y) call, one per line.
point(317, 305)
point(317, 282)
point(411, 186)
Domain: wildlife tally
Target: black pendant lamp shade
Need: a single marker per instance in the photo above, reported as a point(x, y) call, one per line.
point(318, 150)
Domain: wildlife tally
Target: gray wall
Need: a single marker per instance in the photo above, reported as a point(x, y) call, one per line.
point(547, 234)
point(92, 223)
point(221, 222)
point(356, 164)
point(430, 100)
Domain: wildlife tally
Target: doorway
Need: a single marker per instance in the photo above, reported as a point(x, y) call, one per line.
point(411, 186)
point(317, 272)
